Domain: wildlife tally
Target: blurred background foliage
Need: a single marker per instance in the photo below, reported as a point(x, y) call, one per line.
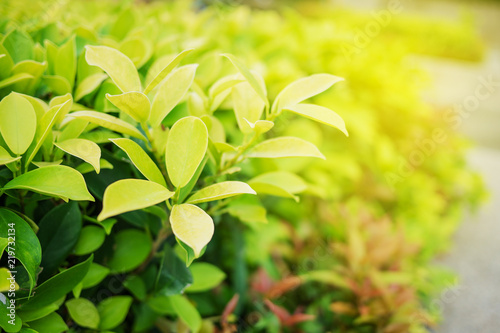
point(376, 212)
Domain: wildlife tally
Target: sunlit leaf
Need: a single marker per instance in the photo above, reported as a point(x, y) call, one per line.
point(186, 147)
point(117, 65)
point(186, 311)
point(192, 226)
point(170, 93)
point(205, 277)
point(131, 194)
point(135, 104)
point(141, 160)
point(220, 191)
point(17, 122)
point(320, 114)
point(84, 149)
point(285, 147)
point(165, 71)
point(88, 85)
point(83, 312)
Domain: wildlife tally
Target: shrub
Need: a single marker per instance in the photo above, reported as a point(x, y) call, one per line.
point(152, 185)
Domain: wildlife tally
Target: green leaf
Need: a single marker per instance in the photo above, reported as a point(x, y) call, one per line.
point(113, 311)
point(19, 45)
point(141, 160)
point(83, 312)
point(192, 226)
point(84, 149)
point(5, 281)
point(110, 122)
point(137, 49)
point(205, 276)
point(131, 248)
point(56, 181)
point(271, 189)
point(58, 235)
point(303, 89)
point(58, 286)
point(91, 238)
point(170, 93)
point(131, 194)
point(284, 179)
point(173, 275)
point(186, 312)
point(135, 104)
point(57, 84)
point(247, 106)
point(72, 129)
point(286, 146)
point(28, 316)
point(259, 89)
point(248, 213)
point(135, 284)
point(5, 157)
point(320, 114)
point(186, 146)
point(88, 85)
point(14, 78)
point(17, 122)
point(220, 191)
point(94, 276)
point(117, 65)
point(53, 323)
point(44, 128)
point(27, 247)
point(165, 71)
point(65, 65)
point(10, 322)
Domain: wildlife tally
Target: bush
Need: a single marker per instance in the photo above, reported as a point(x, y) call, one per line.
point(151, 185)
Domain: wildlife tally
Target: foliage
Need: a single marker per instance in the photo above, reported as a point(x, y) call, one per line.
point(152, 158)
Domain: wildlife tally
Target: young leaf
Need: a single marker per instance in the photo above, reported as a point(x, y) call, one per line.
point(259, 89)
point(113, 311)
point(5, 157)
point(141, 160)
point(17, 122)
point(165, 71)
point(303, 89)
point(28, 249)
point(286, 146)
point(320, 114)
point(135, 104)
point(205, 277)
point(65, 65)
point(131, 248)
point(83, 312)
point(58, 286)
point(192, 226)
point(110, 122)
point(220, 191)
point(117, 65)
point(284, 179)
point(247, 106)
point(14, 78)
point(170, 93)
point(186, 146)
point(88, 85)
point(131, 194)
point(57, 181)
point(84, 149)
point(186, 311)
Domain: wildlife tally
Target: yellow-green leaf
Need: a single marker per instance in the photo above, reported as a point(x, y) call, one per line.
point(248, 107)
point(170, 93)
point(303, 89)
point(284, 179)
point(186, 146)
point(286, 146)
point(83, 312)
point(141, 160)
point(131, 194)
point(84, 149)
point(319, 113)
point(220, 191)
point(110, 122)
point(17, 122)
point(117, 65)
point(135, 104)
point(56, 180)
point(165, 71)
point(14, 78)
point(192, 225)
point(88, 85)
point(5, 156)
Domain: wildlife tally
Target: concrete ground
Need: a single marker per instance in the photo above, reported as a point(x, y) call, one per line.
point(475, 305)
